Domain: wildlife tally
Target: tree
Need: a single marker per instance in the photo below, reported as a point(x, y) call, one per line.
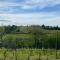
point(38, 35)
point(43, 26)
point(10, 29)
point(2, 32)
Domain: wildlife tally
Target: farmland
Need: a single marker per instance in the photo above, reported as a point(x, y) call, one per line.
point(29, 43)
point(29, 54)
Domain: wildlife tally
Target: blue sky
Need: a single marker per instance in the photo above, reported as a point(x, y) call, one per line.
point(28, 12)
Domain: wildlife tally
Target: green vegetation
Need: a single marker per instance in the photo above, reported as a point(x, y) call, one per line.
point(29, 42)
point(29, 37)
point(29, 54)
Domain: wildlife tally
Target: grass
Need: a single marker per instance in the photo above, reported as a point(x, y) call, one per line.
point(18, 36)
point(28, 54)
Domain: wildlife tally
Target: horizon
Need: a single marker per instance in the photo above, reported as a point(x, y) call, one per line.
point(30, 12)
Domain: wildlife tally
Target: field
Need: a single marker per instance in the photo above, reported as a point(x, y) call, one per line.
point(22, 36)
point(29, 54)
point(21, 46)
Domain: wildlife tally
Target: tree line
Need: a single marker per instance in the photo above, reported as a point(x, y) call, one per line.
point(41, 37)
point(26, 29)
point(50, 27)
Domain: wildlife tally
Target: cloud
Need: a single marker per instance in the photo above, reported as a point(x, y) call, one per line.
point(29, 4)
point(23, 12)
point(4, 21)
point(29, 19)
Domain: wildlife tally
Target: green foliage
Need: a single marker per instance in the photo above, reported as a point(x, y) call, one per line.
point(28, 37)
point(28, 54)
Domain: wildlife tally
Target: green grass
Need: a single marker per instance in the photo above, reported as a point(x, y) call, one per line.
point(29, 54)
point(19, 36)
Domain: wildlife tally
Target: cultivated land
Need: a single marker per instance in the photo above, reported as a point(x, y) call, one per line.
point(29, 54)
point(29, 43)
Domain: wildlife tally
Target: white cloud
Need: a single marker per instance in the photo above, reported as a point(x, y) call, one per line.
point(33, 18)
point(31, 3)
point(28, 19)
point(40, 3)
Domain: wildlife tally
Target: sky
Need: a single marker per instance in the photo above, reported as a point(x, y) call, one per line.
point(30, 12)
